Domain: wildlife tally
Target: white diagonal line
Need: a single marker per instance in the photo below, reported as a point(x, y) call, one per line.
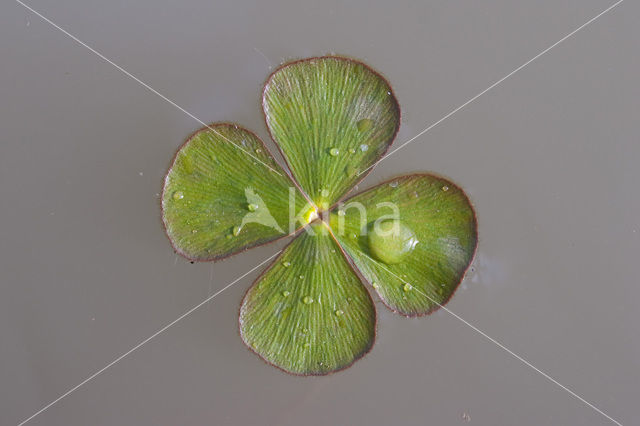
point(145, 341)
point(145, 85)
point(493, 85)
point(509, 351)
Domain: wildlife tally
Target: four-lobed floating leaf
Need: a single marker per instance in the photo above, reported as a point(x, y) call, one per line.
point(410, 239)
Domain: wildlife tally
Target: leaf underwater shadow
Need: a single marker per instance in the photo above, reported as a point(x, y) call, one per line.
point(311, 312)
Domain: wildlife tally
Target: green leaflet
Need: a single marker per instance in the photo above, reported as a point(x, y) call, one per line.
point(218, 200)
point(443, 223)
point(333, 118)
point(309, 313)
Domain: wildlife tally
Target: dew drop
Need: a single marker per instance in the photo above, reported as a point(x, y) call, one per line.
point(352, 151)
point(236, 231)
point(334, 152)
point(350, 170)
point(394, 184)
point(341, 213)
point(307, 300)
point(445, 188)
point(390, 241)
point(286, 293)
point(286, 264)
point(339, 313)
point(178, 195)
point(252, 207)
point(364, 147)
point(284, 314)
point(301, 277)
point(258, 150)
point(325, 192)
point(365, 124)
point(375, 285)
point(407, 287)
point(194, 231)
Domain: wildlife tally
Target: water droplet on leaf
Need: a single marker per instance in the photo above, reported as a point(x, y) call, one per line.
point(286, 264)
point(350, 170)
point(390, 241)
point(286, 293)
point(407, 287)
point(307, 300)
point(236, 231)
point(365, 124)
point(364, 147)
point(252, 207)
point(178, 195)
point(334, 152)
point(339, 313)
